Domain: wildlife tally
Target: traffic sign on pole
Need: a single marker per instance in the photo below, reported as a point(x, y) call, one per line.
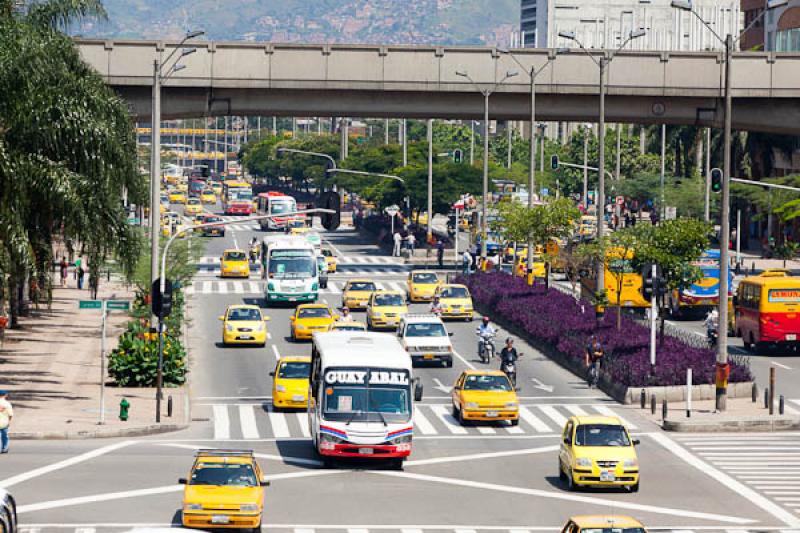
point(392, 210)
point(90, 304)
point(118, 305)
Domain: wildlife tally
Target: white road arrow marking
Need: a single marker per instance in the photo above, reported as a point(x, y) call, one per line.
point(539, 385)
point(439, 386)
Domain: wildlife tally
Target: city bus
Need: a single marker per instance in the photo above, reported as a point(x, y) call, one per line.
point(276, 203)
point(618, 269)
point(360, 396)
point(767, 310)
point(702, 295)
point(289, 264)
point(237, 198)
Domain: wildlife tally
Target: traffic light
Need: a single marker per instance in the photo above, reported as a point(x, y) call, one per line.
point(716, 180)
point(162, 303)
point(651, 285)
point(330, 200)
point(554, 162)
point(458, 155)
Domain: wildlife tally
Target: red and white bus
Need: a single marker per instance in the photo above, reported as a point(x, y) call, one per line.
point(237, 198)
point(767, 310)
point(276, 203)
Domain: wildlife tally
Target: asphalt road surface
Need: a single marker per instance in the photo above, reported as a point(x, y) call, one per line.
point(461, 479)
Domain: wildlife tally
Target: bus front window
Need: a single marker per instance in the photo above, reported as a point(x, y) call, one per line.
point(360, 403)
point(300, 266)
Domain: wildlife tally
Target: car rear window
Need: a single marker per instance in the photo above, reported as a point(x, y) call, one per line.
point(235, 256)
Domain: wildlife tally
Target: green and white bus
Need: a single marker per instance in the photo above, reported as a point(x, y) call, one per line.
point(289, 266)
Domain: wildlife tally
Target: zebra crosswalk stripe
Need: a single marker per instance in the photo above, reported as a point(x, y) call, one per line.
point(422, 423)
point(302, 421)
point(576, 410)
point(606, 411)
point(554, 415)
point(451, 423)
point(222, 425)
point(279, 426)
point(533, 420)
point(255, 288)
point(247, 419)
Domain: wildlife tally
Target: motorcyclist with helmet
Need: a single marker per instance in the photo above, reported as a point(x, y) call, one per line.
point(486, 333)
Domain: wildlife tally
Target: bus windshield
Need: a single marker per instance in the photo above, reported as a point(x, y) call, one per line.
point(240, 194)
point(279, 207)
point(292, 264)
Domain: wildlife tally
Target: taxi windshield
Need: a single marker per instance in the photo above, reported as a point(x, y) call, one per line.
point(194, 201)
point(314, 312)
point(487, 383)
point(361, 286)
point(235, 256)
point(294, 370)
point(227, 474)
point(601, 435)
point(454, 292)
point(425, 278)
point(244, 314)
point(213, 219)
point(388, 299)
point(426, 330)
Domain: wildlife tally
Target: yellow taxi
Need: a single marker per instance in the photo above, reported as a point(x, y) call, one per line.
point(163, 203)
point(538, 266)
point(217, 188)
point(225, 489)
point(193, 207)
point(485, 395)
point(349, 325)
point(299, 230)
point(244, 324)
point(183, 186)
point(456, 301)
point(597, 451)
point(330, 259)
point(603, 524)
point(290, 382)
point(199, 219)
point(422, 285)
point(177, 197)
point(308, 318)
point(385, 309)
point(356, 293)
point(234, 263)
point(207, 196)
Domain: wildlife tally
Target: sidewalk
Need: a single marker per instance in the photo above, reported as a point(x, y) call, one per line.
point(751, 260)
point(51, 367)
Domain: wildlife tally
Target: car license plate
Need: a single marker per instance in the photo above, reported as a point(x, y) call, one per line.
point(298, 398)
point(491, 413)
point(607, 476)
point(293, 298)
point(428, 356)
point(220, 519)
point(791, 336)
point(245, 337)
point(366, 451)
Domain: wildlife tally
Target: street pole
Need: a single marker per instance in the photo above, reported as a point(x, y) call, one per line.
point(386, 131)
point(619, 161)
point(274, 125)
point(155, 170)
point(738, 236)
point(663, 208)
point(653, 315)
point(541, 150)
point(532, 169)
point(404, 124)
point(103, 364)
point(708, 176)
point(225, 147)
point(160, 367)
point(510, 136)
point(472, 142)
point(722, 344)
point(586, 167)
point(485, 203)
point(430, 179)
point(601, 165)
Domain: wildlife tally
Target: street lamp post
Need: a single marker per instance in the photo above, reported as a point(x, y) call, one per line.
point(722, 343)
point(602, 64)
point(429, 237)
point(486, 93)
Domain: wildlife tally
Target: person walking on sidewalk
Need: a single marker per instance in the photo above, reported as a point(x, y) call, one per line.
point(6, 414)
point(79, 272)
point(440, 253)
point(397, 240)
point(63, 271)
point(412, 242)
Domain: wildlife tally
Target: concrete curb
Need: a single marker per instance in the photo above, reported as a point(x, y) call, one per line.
point(108, 433)
point(734, 425)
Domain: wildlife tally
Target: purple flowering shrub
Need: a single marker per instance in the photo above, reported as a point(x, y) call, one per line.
point(565, 324)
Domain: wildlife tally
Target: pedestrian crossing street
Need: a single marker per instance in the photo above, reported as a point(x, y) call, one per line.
point(768, 463)
point(257, 421)
point(256, 286)
point(281, 528)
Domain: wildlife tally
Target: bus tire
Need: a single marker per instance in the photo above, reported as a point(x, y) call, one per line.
point(397, 463)
point(751, 345)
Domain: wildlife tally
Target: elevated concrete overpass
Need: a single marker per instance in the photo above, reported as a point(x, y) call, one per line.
point(224, 78)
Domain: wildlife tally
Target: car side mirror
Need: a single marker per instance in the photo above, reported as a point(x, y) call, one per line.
point(417, 390)
point(636, 442)
point(272, 373)
point(266, 319)
point(221, 317)
point(182, 481)
point(567, 441)
point(291, 318)
point(264, 482)
point(450, 334)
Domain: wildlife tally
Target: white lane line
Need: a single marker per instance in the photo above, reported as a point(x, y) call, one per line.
point(575, 410)
point(247, 419)
point(606, 411)
point(408, 530)
point(554, 415)
point(423, 424)
point(302, 421)
point(452, 424)
point(466, 363)
point(459, 530)
point(486, 430)
point(357, 530)
point(780, 365)
point(514, 430)
point(476, 456)
point(534, 420)
point(66, 463)
point(304, 530)
point(222, 423)
point(560, 495)
point(742, 448)
point(727, 481)
point(254, 287)
point(275, 351)
point(279, 426)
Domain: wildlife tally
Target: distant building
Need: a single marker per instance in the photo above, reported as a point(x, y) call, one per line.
point(606, 23)
point(782, 28)
point(752, 39)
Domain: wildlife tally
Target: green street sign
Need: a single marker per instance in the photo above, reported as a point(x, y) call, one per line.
point(90, 304)
point(119, 305)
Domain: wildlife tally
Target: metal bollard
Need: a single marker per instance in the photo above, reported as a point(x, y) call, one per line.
point(755, 393)
point(169, 406)
point(780, 405)
point(664, 409)
point(643, 399)
point(766, 397)
point(653, 404)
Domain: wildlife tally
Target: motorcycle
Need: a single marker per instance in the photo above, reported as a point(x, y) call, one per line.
point(713, 337)
point(509, 368)
point(486, 349)
point(254, 253)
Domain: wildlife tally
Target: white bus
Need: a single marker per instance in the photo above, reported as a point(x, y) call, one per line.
point(289, 265)
point(276, 203)
point(360, 396)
